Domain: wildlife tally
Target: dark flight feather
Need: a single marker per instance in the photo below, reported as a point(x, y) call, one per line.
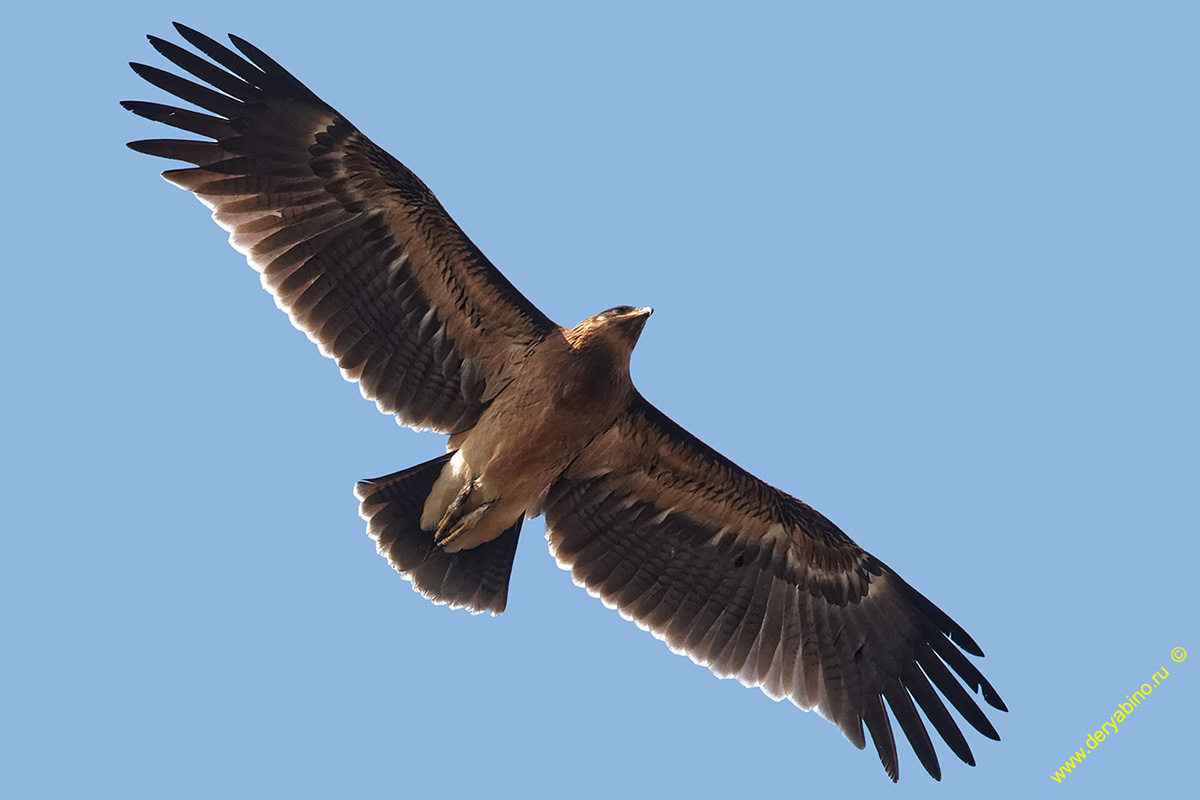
point(756, 585)
point(353, 246)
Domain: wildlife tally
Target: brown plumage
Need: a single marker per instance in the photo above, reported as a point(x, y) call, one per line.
point(724, 568)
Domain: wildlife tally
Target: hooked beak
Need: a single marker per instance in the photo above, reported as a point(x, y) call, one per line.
point(639, 319)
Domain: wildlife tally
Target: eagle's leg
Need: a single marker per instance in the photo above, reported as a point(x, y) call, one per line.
point(462, 514)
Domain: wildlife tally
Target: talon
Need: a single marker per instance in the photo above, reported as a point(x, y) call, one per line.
point(457, 520)
point(448, 531)
point(454, 511)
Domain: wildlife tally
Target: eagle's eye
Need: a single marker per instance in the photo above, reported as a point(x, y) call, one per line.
point(619, 311)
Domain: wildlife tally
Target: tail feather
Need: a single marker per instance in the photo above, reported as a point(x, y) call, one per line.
point(475, 579)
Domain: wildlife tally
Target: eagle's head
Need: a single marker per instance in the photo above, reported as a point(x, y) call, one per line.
point(621, 326)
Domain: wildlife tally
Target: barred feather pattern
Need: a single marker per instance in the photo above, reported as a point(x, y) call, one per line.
point(840, 634)
point(351, 244)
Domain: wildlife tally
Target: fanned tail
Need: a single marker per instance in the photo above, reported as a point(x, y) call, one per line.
point(475, 579)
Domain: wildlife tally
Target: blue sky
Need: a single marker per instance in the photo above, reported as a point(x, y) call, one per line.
point(931, 267)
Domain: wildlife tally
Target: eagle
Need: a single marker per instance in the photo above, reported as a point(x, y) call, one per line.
point(544, 420)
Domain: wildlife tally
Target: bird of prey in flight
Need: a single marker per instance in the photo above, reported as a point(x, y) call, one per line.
point(739, 576)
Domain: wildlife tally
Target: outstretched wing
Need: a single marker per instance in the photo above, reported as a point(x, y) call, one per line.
point(353, 246)
point(754, 584)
